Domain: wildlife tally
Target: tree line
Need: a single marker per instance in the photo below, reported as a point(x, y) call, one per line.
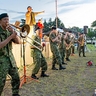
point(48, 24)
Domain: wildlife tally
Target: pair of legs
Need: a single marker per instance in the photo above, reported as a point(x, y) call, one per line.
point(68, 52)
point(72, 49)
point(62, 53)
point(6, 68)
point(57, 59)
point(39, 62)
point(82, 49)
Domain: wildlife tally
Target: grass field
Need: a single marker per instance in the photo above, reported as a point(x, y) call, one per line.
point(77, 79)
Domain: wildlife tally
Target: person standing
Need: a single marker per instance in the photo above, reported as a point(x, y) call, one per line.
point(38, 58)
point(81, 42)
point(53, 39)
point(72, 44)
point(68, 44)
point(62, 48)
point(30, 19)
point(7, 61)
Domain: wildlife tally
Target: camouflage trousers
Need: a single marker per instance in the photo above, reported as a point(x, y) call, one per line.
point(72, 49)
point(68, 52)
point(81, 49)
point(62, 53)
point(6, 68)
point(39, 62)
point(56, 57)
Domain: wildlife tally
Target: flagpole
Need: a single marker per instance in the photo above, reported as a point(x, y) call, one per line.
point(56, 13)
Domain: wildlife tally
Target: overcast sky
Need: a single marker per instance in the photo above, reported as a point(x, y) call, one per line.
point(71, 12)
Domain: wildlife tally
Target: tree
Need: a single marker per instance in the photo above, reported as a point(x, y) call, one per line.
point(50, 23)
point(93, 24)
point(91, 33)
point(59, 23)
point(76, 29)
point(46, 27)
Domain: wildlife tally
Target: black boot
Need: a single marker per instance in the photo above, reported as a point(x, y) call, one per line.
point(15, 95)
point(64, 63)
point(67, 59)
point(34, 76)
point(84, 55)
point(54, 68)
point(43, 74)
point(79, 55)
point(61, 67)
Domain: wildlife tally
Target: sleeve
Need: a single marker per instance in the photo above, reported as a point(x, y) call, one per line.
point(79, 39)
point(52, 36)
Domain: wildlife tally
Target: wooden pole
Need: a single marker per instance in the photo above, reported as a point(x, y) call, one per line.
point(56, 13)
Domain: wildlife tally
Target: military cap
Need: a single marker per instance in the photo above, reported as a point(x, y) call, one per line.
point(70, 31)
point(3, 15)
point(53, 28)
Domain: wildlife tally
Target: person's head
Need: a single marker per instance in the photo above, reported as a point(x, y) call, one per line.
point(81, 34)
point(40, 20)
point(4, 20)
point(29, 8)
point(54, 29)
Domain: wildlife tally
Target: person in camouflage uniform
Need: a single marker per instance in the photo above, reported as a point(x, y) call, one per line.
point(53, 39)
point(62, 48)
point(81, 42)
point(7, 61)
point(67, 44)
point(72, 45)
point(38, 58)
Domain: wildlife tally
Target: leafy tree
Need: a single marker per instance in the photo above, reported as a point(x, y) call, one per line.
point(93, 24)
point(76, 29)
point(59, 23)
point(50, 23)
point(91, 33)
point(46, 27)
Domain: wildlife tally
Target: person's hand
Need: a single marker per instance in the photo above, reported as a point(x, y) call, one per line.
point(10, 28)
point(13, 35)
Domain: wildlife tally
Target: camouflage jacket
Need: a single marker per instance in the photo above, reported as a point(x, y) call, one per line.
point(68, 39)
point(53, 45)
point(6, 51)
point(62, 45)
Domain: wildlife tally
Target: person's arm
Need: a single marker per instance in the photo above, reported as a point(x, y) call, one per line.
point(79, 40)
point(36, 13)
point(17, 40)
point(6, 41)
point(55, 39)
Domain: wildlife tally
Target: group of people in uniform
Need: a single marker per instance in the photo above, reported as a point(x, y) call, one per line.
point(60, 45)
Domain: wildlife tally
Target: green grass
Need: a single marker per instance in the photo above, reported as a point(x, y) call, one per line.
point(91, 47)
